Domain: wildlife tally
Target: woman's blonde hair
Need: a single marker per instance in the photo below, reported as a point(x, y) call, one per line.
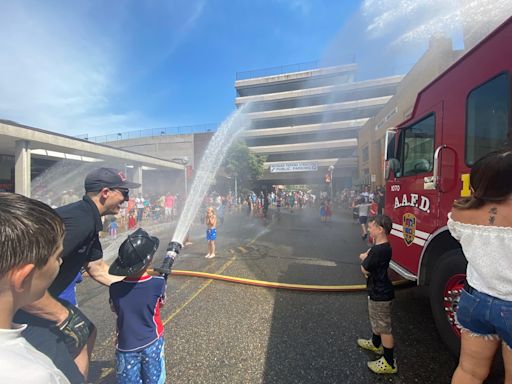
point(490, 180)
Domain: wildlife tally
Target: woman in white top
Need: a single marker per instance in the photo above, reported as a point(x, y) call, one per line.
point(482, 224)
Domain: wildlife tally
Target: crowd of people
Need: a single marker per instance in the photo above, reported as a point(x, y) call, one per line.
point(138, 210)
point(145, 210)
point(258, 205)
point(55, 339)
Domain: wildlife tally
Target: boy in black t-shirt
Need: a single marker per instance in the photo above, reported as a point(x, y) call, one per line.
point(374, 265)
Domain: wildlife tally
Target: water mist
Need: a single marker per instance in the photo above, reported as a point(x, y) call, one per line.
point(205, 174)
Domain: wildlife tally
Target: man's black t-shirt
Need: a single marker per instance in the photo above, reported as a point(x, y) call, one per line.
point(82, 222)
point(377, 263)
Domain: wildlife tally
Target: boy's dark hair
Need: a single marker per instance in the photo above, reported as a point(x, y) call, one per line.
point(383, 221)
point(30, 232)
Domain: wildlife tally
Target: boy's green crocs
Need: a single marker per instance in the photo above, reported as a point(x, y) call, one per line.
point(381, 366)
point(368, 344)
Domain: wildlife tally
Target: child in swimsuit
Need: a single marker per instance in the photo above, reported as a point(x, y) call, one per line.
point(211, 231)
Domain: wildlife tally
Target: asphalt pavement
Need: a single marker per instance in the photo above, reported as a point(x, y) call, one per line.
point(223, 332)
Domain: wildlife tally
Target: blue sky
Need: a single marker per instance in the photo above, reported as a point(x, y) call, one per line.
point(108, 66)
point(96, 67)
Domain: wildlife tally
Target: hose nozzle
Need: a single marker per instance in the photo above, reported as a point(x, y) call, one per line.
point(173, 249)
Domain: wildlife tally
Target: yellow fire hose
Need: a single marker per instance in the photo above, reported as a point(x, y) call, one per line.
point(275, 285)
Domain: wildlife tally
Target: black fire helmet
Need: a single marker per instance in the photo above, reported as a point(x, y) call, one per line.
point(135, 254)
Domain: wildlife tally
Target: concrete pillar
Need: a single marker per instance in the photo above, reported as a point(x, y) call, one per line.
point(22, 168)
point(137, 178)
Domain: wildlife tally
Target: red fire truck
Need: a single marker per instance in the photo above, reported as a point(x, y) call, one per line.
point(463, 114)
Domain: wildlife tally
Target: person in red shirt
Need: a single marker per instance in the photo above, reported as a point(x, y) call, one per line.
point(374, 209)
point(132, 222)
point(169, 206)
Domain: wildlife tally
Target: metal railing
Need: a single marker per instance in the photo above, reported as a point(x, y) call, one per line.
point(152, 132)
point(348, 58)
point(279, 70)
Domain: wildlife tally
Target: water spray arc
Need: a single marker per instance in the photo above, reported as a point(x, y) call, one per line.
point(208, 167)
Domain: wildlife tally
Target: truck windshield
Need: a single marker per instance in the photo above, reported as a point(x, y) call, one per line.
point(416, 147)
point(488, 123)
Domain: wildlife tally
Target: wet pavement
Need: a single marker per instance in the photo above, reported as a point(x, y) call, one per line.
point(222, 332)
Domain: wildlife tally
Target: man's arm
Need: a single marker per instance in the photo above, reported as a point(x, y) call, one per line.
point(98, 270)
point(48, 308)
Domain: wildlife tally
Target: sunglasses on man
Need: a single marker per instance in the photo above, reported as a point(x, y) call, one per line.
point(124, 191)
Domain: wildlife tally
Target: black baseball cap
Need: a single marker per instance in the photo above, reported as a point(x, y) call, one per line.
point(101, 178)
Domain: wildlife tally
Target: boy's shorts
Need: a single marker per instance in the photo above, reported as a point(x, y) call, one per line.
point(485, 315)
point(363, 219)
point(380, 316)
point(144, 366)
point(211, 234)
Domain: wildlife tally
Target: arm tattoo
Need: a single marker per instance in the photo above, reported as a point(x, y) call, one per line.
point(492, 212)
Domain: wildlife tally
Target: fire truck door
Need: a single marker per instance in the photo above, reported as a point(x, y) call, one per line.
point(415, 197)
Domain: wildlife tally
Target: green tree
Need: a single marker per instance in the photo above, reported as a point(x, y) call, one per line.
point(243, 164)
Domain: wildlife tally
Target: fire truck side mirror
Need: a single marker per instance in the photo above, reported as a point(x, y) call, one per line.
point(387, 170)
point(389, 144)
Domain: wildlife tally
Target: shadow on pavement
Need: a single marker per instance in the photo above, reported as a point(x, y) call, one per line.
point(313, 340)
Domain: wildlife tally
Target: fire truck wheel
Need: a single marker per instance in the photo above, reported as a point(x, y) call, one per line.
point(447, 281)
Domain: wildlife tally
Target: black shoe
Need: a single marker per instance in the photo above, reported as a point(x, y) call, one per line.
point(365, 236)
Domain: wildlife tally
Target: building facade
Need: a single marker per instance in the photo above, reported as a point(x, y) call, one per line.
point(307, 122)
point(44, 162)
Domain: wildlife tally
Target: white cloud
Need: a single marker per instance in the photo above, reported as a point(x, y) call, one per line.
point(62, 64)
point(189, 22)
point(50, 73)
point(418, 20)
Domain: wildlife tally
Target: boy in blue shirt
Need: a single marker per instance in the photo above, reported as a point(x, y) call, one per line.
point(137, 300)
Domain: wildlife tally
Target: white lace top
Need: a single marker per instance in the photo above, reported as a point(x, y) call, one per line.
point(488, 250)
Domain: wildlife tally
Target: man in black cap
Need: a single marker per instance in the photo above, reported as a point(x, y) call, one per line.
point(56, 327)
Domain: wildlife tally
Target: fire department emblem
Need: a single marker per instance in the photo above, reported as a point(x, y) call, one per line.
point(409, 228)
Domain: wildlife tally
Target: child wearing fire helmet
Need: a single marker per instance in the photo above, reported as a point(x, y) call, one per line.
point(374, 265)
point(137, 300)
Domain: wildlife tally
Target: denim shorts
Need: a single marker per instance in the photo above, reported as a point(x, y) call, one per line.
point(485, 315)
